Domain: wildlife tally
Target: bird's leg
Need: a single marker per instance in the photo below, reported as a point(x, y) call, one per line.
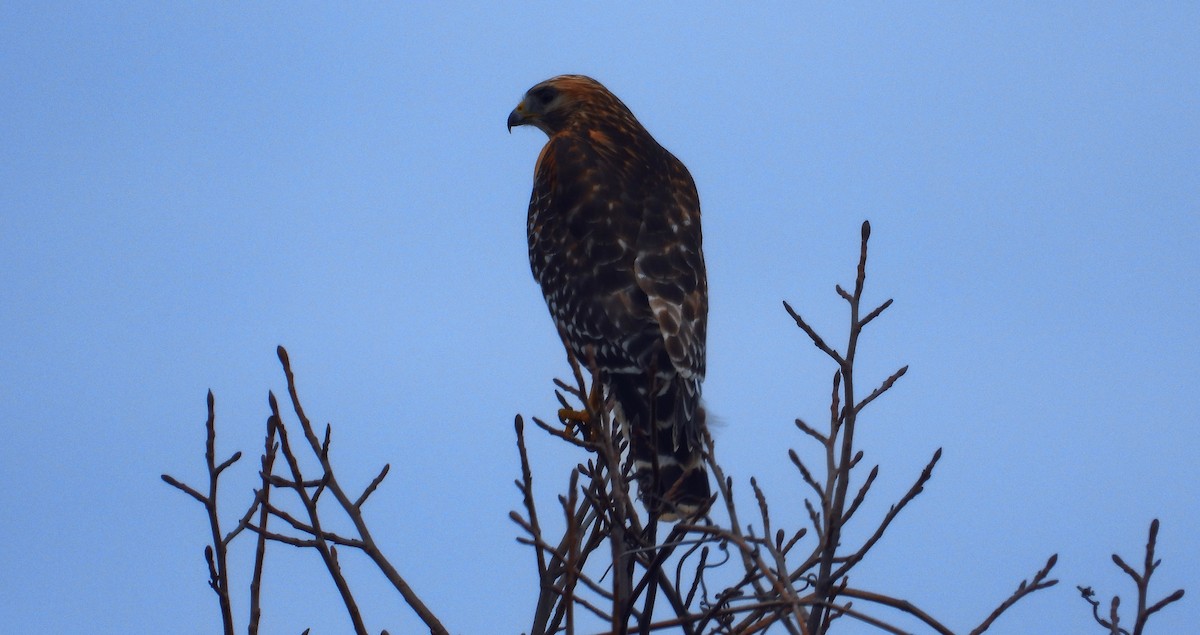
point(584, 419)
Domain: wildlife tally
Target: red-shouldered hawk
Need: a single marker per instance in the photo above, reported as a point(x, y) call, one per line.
point(614, 242)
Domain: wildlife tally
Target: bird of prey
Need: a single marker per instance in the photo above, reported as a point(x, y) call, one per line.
point(615, 243)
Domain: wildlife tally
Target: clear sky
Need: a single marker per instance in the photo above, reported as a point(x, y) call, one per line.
point(184, 186)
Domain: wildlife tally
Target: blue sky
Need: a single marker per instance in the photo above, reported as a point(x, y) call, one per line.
point(185, 186)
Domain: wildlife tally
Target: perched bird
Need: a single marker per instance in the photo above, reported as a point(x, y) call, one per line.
point(615, 243)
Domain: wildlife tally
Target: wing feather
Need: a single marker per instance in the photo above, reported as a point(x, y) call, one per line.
point(670, 270)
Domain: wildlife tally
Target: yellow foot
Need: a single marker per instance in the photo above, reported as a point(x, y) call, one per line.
point(580, 420)
point(584, 420)
point(574, 418)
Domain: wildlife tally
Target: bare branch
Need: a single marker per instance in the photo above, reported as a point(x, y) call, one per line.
point(808, 477)
point(862, 494)
point(1141, 582)
point(227, 462)
point(875, 313)
point(887, 383)
point(817, 340)
point(262, 500)
point(186, 489)
point(358, 503)
point(1038, 583)
point(806, 429)
point(214, 553)
point(893, 511)
point(901, 605)
point(321, 449)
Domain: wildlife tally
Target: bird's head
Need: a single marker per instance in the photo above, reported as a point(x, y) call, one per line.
point(559, 101)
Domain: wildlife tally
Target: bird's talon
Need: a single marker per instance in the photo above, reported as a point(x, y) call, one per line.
point(574, 418)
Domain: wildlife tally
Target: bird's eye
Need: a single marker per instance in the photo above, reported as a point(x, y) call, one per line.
point(545, 94)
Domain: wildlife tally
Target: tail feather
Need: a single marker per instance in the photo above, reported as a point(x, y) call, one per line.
point(664, 421)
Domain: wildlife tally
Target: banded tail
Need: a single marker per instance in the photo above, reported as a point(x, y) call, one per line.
point(668, 456)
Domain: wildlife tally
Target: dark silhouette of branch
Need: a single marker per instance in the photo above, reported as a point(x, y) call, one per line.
point(320, 539)
point(599, 510)
point(215, 553)
point(1038, 583)
point(613, 566)
point(309, 530)
point(898, 604)
point(263, 501)
point(1141, 581)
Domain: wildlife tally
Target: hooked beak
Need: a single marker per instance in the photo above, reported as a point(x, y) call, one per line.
point(519, 116)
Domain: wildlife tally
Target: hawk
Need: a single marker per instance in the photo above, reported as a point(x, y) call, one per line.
point(615, 243)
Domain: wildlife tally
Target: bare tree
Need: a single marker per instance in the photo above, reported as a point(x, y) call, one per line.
point(305, 532)
point(611, 570)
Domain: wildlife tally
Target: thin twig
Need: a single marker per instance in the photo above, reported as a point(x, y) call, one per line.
point(371, 488)
point(898, 604)
point(262, 501)
point(1038, 583)
point(817, 340)
point(887, 383)
point(893, 511)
